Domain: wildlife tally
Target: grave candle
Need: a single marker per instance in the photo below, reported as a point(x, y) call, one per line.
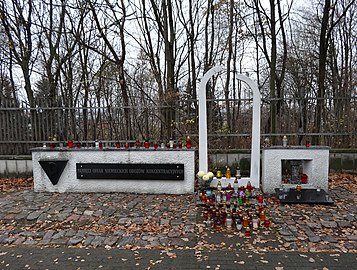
point(255, 223)
point(218, 197)
point(240, 200)
point(262, 215)
point(147, 144)
point(267, 223)
point(171, 143)
point(238, 224)
point(219, 186)
point(70, 144)
point(156, 145)
point(228, 196)
point(229, 222)
point(245, 221)
point(236, 185)
point(285, 141)
point(224, 197)
point(209, 222)
point(228, 173)
point(188, 142)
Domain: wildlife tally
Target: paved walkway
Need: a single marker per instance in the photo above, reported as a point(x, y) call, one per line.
point(99, 258)
point(168, 230)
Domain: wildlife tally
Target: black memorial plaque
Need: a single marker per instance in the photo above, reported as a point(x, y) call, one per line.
point(53, 169)
point(137, 171)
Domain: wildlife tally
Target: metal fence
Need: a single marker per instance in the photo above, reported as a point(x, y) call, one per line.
point(22, 127)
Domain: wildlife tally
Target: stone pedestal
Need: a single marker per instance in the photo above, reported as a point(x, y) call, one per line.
point(76, 172)
point(314, 160)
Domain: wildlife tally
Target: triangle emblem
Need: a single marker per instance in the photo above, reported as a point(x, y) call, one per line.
point(53, 169)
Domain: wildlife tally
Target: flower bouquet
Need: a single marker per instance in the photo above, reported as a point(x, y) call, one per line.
point(204, 179)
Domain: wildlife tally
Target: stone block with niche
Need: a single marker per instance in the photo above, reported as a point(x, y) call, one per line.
point(311, 161)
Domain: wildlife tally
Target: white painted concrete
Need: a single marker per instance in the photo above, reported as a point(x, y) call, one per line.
point(255, 149)
point(315, 165)
point(202, 118)
point(68, 181)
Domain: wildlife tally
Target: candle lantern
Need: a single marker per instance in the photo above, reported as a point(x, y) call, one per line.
point(70, 144)
point(255, 223)
point(147, 144)
point(188, 142)
point(171, 143)
point(285, 141)
point(247, 232)
point(229, 222)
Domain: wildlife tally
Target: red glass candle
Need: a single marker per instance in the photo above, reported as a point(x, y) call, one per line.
point(156, 145)
point(70, 144)
point(247, 233)
point(267, 223)
point(304, 179)
point(51, 146)
point(205, 215)
point(307, 144)
point(126, 145)
point(78, 145)
point(188, 142)
point(100, 145)
point(117, 145)
point(147, 145)
point(260, 199)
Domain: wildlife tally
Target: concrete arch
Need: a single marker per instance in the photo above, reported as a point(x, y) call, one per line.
point(202, 115)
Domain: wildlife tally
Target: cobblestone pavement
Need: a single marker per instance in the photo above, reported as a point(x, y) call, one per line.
point(172, 224)
point(136, 220)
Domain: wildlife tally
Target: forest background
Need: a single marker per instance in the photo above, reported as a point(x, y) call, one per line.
point(125, 70)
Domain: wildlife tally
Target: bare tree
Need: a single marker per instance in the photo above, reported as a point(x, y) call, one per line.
point(16, 19)
point(275, 23)
point(328, 23)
